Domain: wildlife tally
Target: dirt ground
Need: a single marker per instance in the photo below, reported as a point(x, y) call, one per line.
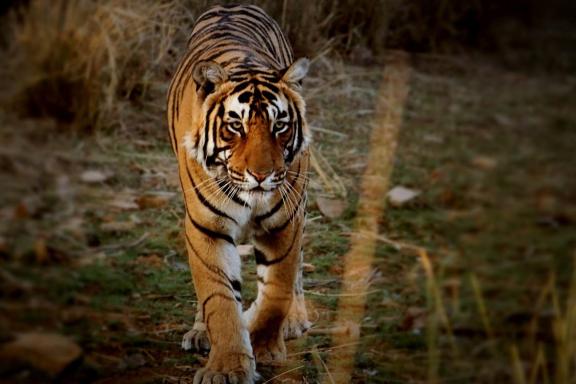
point(91, 238)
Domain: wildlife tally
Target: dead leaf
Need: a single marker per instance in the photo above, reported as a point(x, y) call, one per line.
point(331, 208)
point(153, 260)
point(74, 226)
point(414, 319)
point(336, 269)
point(93, 176)
point(41, 251)
point(92, 258)
point(48, 352)
point(434, 139)
point(484, 162)
point(307, 267)
point(399, 195)
point(21, 211)
point(154, 200)
point(389, 303)
point(124, 203)
point(118, 226)
point(3, 246)
point(29, 206)
point(45, 254)
point(503, 120)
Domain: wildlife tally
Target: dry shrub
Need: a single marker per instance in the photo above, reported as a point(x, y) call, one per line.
point(356, 27)
point(74, 60)
point(78, 61)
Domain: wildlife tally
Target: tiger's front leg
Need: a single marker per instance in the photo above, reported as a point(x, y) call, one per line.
point(215, 265)
point(277, 259)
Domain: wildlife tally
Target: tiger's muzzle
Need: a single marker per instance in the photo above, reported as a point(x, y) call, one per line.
point(257, 181)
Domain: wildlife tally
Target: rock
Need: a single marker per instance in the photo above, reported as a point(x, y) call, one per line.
point(47, 352)
point(331, 208)
point(93, 176)
point(399, 195)
point(135, 360)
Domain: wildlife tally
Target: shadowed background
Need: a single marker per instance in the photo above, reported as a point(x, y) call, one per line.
point(473, 269)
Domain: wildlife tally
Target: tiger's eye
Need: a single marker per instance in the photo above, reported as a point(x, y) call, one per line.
point(280, 126)
point(235, 126)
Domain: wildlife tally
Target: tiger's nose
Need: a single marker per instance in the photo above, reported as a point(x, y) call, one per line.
point(260, 176)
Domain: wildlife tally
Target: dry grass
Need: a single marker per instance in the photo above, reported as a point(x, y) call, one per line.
point(79, 62)
point(76, 61)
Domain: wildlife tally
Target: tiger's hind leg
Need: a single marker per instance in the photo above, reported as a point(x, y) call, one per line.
point(296, 323)
point(196, 339)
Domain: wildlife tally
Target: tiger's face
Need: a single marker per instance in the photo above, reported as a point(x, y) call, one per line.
point(252, 129)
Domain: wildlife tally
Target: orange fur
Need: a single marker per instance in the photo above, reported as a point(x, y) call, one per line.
point(238, 129)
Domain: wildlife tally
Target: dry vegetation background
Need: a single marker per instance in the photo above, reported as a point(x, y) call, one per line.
point(474, 277)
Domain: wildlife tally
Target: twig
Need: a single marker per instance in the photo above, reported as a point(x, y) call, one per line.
point(317, 356)
point(329, 131)
point(283, 373)
point(133, 244)
point(363, 293)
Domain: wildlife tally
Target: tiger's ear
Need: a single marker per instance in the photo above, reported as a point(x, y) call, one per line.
point(208, 75)
point(294, 74)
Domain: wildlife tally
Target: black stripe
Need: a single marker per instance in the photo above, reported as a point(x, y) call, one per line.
point(240, 87)
point(278, 205)
point(207, 128)
point(212, 234)
point(212, 159)
point(232, 285)
point(211, 267)
point(261, 257)
point(204, 201)
point(270, 86)
point(272, 26)
point(300, 134)
point(232, 195)
point(237, 285)
point(216, 120)
point(285, 224)
point(206, 300)
point(264, 216)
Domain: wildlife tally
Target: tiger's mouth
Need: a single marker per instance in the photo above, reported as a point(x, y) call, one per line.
point(247, 182)
point(258, 188)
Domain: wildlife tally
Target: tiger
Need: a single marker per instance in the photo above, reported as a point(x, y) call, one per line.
point(236, 118)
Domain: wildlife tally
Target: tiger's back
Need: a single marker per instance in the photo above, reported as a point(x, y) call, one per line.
point(263, 43)
point(238, 128)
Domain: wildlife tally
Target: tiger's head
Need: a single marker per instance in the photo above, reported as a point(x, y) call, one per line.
point(252, 125)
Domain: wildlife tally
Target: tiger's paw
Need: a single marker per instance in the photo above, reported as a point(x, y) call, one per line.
point(270, 350)
point(296, 323)
point(295, 327)
point(196, 339)
point(229, 368)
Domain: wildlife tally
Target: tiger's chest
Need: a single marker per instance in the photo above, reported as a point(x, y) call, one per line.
point(260, 214)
